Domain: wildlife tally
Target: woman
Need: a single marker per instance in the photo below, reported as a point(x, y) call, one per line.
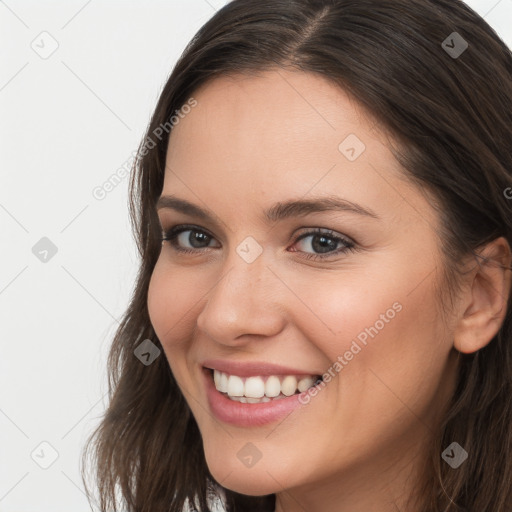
point(322, 317)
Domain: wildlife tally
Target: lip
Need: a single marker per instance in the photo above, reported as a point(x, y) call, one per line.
point(247, 415)
point(253, 368)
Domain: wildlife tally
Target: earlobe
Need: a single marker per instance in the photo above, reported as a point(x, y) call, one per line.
point(488, 298)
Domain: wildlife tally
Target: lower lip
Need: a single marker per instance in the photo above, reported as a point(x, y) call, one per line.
point(247, 415)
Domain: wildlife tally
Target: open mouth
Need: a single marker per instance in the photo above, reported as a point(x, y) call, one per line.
point(261, 389)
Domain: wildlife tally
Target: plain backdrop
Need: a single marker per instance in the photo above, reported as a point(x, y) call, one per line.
point(78, 82)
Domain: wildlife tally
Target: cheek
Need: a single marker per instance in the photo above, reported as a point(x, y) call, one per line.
point(159, 301)
point(335, 310)
point(381, 321)
point(171, 299)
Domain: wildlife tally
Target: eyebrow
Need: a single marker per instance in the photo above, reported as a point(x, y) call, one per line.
point(278, 211)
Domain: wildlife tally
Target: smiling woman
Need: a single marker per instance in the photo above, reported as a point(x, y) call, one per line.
point(325, 269)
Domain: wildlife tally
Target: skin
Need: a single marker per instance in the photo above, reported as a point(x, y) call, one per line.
point(359, 444)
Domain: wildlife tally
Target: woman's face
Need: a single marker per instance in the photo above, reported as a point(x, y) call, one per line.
point(355, 302)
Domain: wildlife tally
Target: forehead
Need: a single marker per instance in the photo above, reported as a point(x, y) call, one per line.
point(294, 104)
point(281, 133)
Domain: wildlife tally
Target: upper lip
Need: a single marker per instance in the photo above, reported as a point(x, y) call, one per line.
point(253, 368)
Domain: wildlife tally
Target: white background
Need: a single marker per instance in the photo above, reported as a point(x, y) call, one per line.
point(68, 122)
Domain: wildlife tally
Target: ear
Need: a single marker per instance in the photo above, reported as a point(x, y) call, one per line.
point(485, 305)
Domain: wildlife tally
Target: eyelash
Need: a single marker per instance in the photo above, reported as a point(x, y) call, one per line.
point(171, 235)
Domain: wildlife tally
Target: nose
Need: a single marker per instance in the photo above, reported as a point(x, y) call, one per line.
point(245, 303)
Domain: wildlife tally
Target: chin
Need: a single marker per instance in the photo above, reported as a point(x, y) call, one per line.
point(249, 481)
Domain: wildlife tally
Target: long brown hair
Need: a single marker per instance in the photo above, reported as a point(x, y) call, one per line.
point(451, 118)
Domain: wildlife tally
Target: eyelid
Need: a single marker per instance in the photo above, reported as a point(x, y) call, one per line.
point(174, 225)
point(324, 231)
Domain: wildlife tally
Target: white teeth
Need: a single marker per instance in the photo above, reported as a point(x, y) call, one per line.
point(289, 385)
point(235, 386)
point(254, 387)
point(272, 387)
point(260, 389)
point(223, 382)
point(305, 383)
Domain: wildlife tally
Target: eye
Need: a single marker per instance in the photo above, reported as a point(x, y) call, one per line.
point(182, 235)
point(324, 241)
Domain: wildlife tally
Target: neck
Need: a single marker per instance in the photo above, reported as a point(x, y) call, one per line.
point(384, 485)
